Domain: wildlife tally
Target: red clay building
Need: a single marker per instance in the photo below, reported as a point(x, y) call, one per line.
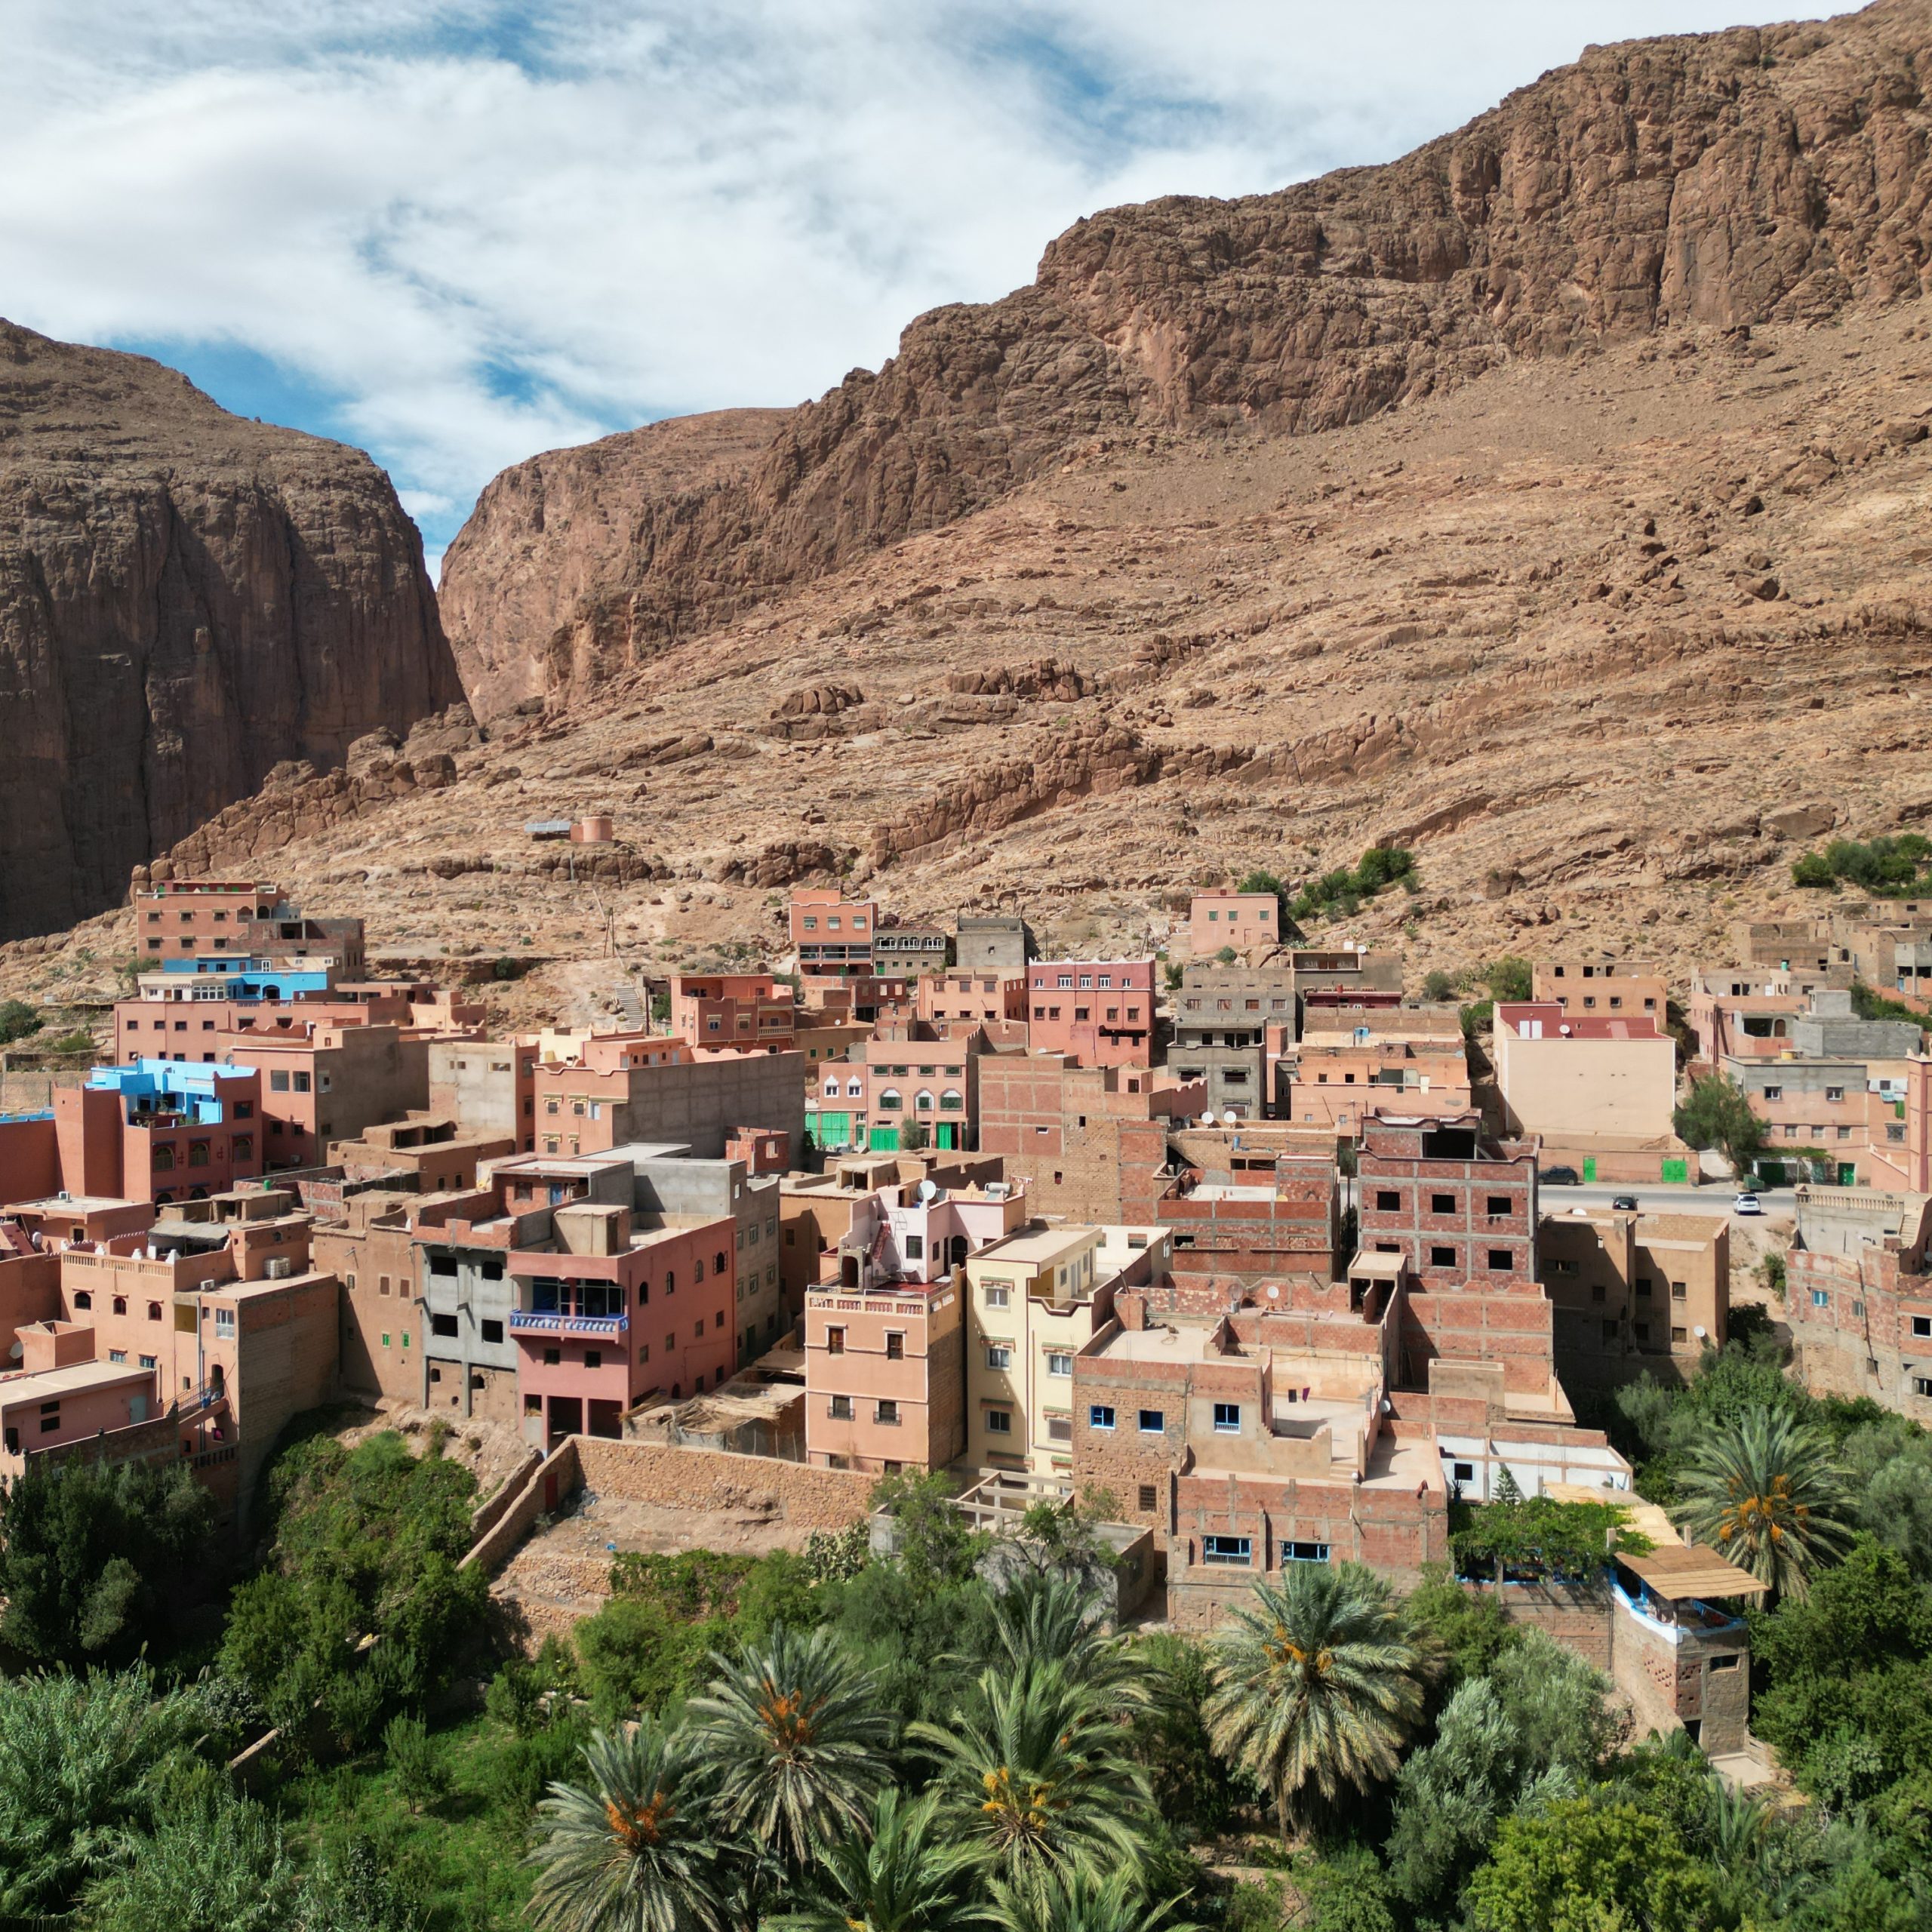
point(1099, 1012)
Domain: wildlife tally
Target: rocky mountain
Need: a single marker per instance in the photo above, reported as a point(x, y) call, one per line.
point(186, 599)
point(1757, 175)
point(1608, 591)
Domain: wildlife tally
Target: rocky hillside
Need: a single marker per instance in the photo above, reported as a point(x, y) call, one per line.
point(1756, 175)
point(186, 598)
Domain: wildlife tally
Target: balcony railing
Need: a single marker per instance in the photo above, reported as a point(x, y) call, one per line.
point(563, 1322)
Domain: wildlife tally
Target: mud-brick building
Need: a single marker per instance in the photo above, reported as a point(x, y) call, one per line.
point(1441, 1194)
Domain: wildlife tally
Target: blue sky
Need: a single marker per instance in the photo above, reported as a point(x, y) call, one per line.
point(458, 232)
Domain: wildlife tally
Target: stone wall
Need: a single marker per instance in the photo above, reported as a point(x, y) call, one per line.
point(692, 1479)
point(1578, 1616)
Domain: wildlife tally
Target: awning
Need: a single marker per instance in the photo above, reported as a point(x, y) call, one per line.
point(1675, 1570)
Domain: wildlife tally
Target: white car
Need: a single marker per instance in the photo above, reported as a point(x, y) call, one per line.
point(1746, 1204)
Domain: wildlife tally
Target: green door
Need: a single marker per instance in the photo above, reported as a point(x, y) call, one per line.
point(1676, 1170)
point(1589, 1168)
point(885, 1140)
point(833, 1130)
point(1847, 1173)
point(945, 1132)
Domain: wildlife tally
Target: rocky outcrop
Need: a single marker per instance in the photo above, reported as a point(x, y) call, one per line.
point(1753, 175)
point(187, 598)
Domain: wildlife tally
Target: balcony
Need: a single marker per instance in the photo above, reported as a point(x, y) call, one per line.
point(567, 1321)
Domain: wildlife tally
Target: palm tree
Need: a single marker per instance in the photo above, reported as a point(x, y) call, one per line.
point(635, 1851)
point(1035, 1776)
point(1317, 1685)
point(1765, 1490)
point(1084, 1901)
point(897, 1876)
point(800, 1737)
point(1045, 1618)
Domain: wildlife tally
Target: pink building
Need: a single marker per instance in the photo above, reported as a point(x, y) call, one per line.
point(832, 935)
point(1099, 1012)
point(1224, 917)
point(751, 1009)
point(963, 997)
point(616, 1306)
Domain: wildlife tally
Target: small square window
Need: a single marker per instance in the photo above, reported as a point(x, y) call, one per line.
point(1100, 1416)
point(999, 1422)
point(1232, 1550)
point(841, 1408)
point(1442, 1203)
point(1148, 1498)
point(1153, 1422)
point(1227, 1418)
point(1442, 1257)
point(1500, 1261)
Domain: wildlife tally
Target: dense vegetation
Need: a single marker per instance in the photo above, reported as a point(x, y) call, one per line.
point(1890, 867)
point(827, 1740)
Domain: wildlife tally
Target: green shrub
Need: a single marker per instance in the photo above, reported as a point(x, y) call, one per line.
point(17, 1019)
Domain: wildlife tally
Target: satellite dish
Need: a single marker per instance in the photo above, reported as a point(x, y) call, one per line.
point(1274, 1294)
point(1699, 1333)
point(1228, 1117)
point(1207, 1118)
point(15, 1353)
point(928, 1191)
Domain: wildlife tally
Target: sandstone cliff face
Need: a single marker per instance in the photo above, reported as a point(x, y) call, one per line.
point(186, 597)
point(1756, 175)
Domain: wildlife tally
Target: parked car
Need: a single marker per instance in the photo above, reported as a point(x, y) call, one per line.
point(1559, 1177)
point(1746, 1203)
point(1625, 1200)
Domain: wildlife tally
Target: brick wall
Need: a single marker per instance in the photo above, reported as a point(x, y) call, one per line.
point(1577, 1616)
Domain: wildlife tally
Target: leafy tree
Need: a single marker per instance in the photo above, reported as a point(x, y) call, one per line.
point(799, 1739)
point(1532, 1732)
point(1036, 1777)
point(1438, 986)
point(899, 1874)
point(1468, 1629)
point(1718, 1114)
point(91, 1554)
point(1262, 880)
point(78, 1756)
point(1226, 956)
point(420, 1774)
point(1343, 890)
point(212, 1863)
point(1893, 867)
point(1765, 1491)
point(1318, 1685)
point(349, 1889)
point(1508, 978)
point(1346, 1891)
point(17, 1019)
point(935, 1544)
point(1577, 1866)
point(636, 1847)
point(1194, 1788)
point(1540, 1537)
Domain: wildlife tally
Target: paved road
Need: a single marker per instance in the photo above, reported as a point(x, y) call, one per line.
point(1713, 1197)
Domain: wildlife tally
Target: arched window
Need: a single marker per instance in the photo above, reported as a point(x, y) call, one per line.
point(198, 1153)
point(164, 1156)
point(951, 1100)
point(245, 1147)
point(718, 1264)
point(154, 1309)
point(889, 1100)
point(922, 1101)
point(832, 1088)
point(697, 1269)
point(670, 1280)
point(83, 1299)
point(120, 1304)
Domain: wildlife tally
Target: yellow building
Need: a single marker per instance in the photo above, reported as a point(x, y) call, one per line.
point(1034, 1300)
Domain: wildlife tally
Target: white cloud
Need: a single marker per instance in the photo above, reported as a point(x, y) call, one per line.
point(464, 231)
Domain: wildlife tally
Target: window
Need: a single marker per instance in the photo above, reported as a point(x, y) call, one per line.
point(1922, 1324)
point(1227, 1418)
point(1442, 1257)
point(1462, 1472)
point(1059, 1429)
point(1304, 1552)
point(1921, 1384)
point(1498, 1206)
point(1680, 1334)
point(150, 1361)
point(224, 1323)
point(117, 1355)
point(895, 1345)
point(593, 1358)
point(1500, 1260)
point(999, 1355)
point(1059, 1363)
point(915, 1247)
point(886, 1411)
point(1153, 1422)
point(1774, 1093)
point(443, 1324)
point(1234, 1550)
point(491, 1331)
point(1820, 1299)
point(1100, 1416)
point(841, 1408)
point(997, 1295)
point(1387, 1201)
point(1442, 1203)
point(999, 1422)
point(1148, 1499)
point(1641, 1330)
